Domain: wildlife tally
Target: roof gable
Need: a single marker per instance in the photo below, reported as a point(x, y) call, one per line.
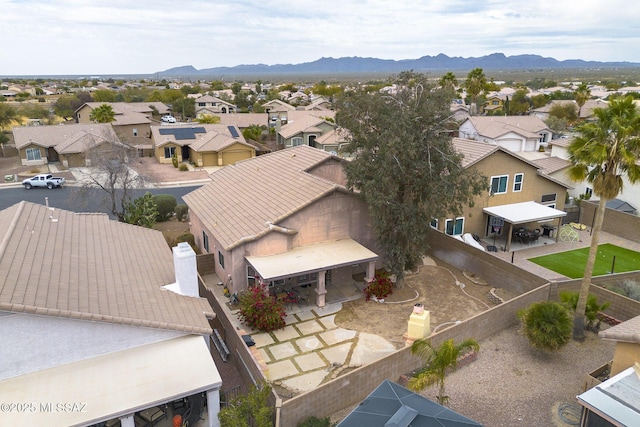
point(52, 136)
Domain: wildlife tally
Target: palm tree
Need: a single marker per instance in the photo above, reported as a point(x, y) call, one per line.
point(582, 93)
point(601, 154)
point(475, 84)
point(547, 325)
point(436, 363)
point(448, 81)
point(102, 114)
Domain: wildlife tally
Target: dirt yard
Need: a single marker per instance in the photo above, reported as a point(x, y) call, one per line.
point(435, 287)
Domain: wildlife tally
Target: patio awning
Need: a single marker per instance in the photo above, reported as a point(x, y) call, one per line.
point(521, 213)
point(311, 258)
point(113, 385)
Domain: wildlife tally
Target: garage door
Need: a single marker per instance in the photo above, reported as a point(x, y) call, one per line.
point(209, 159)
point(230, 157)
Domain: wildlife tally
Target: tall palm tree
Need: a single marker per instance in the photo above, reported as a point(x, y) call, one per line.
point(437, 360)
point(582, 93)
point(475, 84)
point(448, 81)
point(102, 114)
point(601, 154)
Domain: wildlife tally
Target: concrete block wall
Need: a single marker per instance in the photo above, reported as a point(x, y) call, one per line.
point(615, 222)
point(355, 386)
point(206, 263)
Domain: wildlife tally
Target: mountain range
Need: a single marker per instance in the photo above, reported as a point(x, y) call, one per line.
point(441, 62)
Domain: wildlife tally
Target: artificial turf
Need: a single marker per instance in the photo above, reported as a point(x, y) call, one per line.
point(572, 263)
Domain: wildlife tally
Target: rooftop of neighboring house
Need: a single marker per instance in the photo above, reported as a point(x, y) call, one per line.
point(306, 123)
point(243, 199)
point(549, 165)
point(496, 126)
point(120, 108)
point(64, 135)
point(200, 137)
point(86, 266)
point(212, 99)
point(628, 331)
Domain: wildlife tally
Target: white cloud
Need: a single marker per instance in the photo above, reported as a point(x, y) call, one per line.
point(85, 37)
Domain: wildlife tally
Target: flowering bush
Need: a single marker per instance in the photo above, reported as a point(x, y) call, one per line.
point(260, 310)
point(381, 286)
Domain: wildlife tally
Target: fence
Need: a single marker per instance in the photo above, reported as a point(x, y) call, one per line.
point(615, 222)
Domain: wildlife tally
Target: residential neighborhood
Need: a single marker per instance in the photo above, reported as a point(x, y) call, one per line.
point(134, 326)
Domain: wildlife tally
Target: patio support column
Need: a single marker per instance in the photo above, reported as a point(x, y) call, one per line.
point(127, 421)
point(321, 290)
point(371, 271)
point(508, 244)
point(213, 407)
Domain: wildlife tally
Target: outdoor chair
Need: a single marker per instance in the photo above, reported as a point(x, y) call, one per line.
point(194, 413)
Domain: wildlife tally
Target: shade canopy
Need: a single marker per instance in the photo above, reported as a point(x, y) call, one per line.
point(524, 212)
point(113, 385)
point(311, 258)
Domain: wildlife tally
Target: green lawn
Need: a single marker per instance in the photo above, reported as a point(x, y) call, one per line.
point(572, 263)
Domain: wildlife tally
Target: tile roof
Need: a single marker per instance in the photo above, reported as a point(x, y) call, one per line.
point(552, 164)
point(243, 198)
point(628, 331)
point(214, 138)
point(496, 126)
point(472, 151)
point(307, 123)
point(130, 107)
point(85, 266)
point(54, 135)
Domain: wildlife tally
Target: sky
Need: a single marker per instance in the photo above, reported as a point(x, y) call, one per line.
point(76, 37)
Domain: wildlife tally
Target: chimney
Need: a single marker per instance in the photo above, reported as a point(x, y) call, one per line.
point(184, 263)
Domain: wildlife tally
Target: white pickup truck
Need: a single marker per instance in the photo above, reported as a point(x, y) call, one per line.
point(43, 180)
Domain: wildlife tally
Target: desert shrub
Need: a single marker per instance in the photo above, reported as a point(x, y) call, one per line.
point(166, 203)
point(570, 300)
point(174, 159)
point(381, 286)
point(181, 212)
point(260, 310)
point(316, 422)
point(547, 325)
point(183, 167)
point(251, 409)
point(186, 237)
point(631, 289)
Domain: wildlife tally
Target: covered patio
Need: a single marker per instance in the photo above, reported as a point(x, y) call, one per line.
point(518, 215)
point(313, 267)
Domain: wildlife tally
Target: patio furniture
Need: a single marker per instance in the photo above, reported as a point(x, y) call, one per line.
point(152, 416)
point(194, 413)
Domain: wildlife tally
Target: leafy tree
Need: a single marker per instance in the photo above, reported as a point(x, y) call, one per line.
point(519, 103)
point(236, 88)
point(260, 310)
point(547, 325)
point(437, 361)
point(110, 173)
point(538, 101)
point(404, 165)
point(208, 119)
point(143, 211)
point(570, 300)
point(475, 84)
point(561, 116)
point(253, 132)
point(102, 114)
point(247, 410)
point(104, 95)
point(186, 107)
point(8, 115)
point(582, 94)
point(448, 81)
point(601, 153)
point(165, 205)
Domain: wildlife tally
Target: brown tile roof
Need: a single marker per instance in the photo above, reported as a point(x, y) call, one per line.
point(551, 164)
point(472, 151)
point(215, 138)
point(496, 126)
point(628, 331)
point(120, 108)
point(85, 266)
point(308, 123)
point(52, 136)
point(243, 198)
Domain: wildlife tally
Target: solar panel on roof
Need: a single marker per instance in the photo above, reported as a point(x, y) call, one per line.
point(182, 133)
point(233, 131)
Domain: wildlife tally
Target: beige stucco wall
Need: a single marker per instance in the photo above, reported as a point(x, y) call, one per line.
point(625, 355)
point(82, 115)
point(23, 156)
point(126, 133)
point(159, 153)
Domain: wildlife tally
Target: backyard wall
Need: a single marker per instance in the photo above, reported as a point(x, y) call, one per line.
point(615, 222)
point(498, 273)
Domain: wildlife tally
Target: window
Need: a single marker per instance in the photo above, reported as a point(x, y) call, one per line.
point(517, 182)
point(135, 131)
point(296, 141)
point(454, 227)
point(202, 104)
point(499, 184)
point(220, 259)
point(33, 154)
point(312, 140)
point(251, 276)
point(169, 152)
point(547, 198)
point(588, 192)
point(434, 223)
point(205, 241)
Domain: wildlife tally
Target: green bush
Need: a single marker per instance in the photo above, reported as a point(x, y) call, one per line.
point(181, 212)
point(547, 325)
point(174, 159)
point(260, 310)
point(570, 300)
point(187, 237)
point(183, 167)
point(316, 422)
point(166, 204)
point(381, 286)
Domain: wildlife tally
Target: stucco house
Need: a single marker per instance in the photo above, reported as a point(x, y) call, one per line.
point(284, 218)
point(100, 317)
point(512, 180)
point(203, 145)
point(305, 130)
point(515, 133)
point(132, 121)
point(70, 145)
point(211, 105)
